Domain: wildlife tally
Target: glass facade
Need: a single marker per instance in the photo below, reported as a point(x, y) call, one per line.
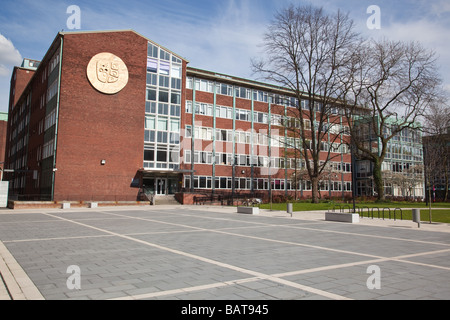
point(162, 109)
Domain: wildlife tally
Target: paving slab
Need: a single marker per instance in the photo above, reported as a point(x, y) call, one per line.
point(214, 253)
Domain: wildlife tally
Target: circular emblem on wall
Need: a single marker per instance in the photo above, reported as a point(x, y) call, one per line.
point(107, 73)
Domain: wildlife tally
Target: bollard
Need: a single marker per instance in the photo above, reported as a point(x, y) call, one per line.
point(289, 208)
point(416, 216)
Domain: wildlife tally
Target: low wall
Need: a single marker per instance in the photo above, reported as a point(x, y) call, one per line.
point(14, 204)
point(187, 198)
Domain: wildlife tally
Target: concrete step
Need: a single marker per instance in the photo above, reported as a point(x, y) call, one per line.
point(166, 200)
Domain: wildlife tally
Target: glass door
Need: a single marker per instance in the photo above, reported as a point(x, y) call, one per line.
point(161, 186)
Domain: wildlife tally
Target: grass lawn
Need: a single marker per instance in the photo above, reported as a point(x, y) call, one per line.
point(441, 215)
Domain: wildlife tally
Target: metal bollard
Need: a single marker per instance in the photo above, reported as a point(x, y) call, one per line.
point(416, 216)
point(290, 208)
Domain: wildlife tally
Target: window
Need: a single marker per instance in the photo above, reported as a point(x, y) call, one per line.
point(174, 138)
point(152, 79)
point(260, 96)
point(152, 65)
point(152, 51)
point(189, 83)
point(162, 137)
point(176, 83)
point(175, 98)
point(188, 131)
point(164, 81)
point(187, 156)
point(149, 155)
point(150, 107)
point(204, 85)
point(53, 62)
point(224, 89)
point(174, 155)
point(164, 68)
point(162, 124)
point(161, 154)
point(151, 94)
point(163, 55)
point(174, 125)
point(163, 109)
point(163, 96)
point(149, 136)
point(52, 90)
point(150, 123)
point(175, 111)
point(243, 93)
point(188, 106)
point(307, 124)
point(47, 150)
point(50, 119)
point(176, 72)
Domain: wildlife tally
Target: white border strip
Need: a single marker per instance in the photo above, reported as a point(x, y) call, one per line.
point(18, 284)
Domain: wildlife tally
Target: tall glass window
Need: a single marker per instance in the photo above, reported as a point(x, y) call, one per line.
point(163, 109)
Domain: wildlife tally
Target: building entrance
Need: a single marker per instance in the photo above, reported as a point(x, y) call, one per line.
point(161, 186)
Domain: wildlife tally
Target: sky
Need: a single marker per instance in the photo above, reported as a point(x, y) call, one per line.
point(221, 36)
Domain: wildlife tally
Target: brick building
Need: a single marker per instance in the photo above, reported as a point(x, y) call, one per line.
point(112, 115)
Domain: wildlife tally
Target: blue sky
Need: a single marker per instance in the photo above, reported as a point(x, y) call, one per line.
point(214, 35)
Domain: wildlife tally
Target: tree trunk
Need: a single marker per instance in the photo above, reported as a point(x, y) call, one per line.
point(378, 180)
point(446, 184)
point(315, 189)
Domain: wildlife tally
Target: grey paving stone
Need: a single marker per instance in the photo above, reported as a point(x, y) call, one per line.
point(163, 250)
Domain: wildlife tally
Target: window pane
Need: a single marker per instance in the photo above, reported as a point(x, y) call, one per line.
point(150, 107)
point(152, 51)
point(152, 65)
point(176, 83)
point(162, 124)
point(151, 79)
point(174, 155)
point(162, 137)
point(174, 125)
point(149, 155)
point(163, 96)
point(175, 98)
point(151, 94)
point(163, 109)
point(164, 81)
point(164, 68)
point(164, 55)
point(176, 72)
point(174, 138)
point(161, 156)
point(175, 111)
point(149, 122)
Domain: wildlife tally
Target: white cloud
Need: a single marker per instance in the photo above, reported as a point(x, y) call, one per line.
point(432, 34)
point(9, 56)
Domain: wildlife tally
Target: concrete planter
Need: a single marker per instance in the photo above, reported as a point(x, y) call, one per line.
point(65, 205)
point(342, 217)
point(248, 210)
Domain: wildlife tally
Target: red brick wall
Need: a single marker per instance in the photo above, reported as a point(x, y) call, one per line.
point(23, 76)
point(94, 126)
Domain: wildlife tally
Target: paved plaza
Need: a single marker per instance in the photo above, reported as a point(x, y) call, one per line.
point(214, 253)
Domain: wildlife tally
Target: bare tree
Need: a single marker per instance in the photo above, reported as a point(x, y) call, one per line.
point(305, 50)
point(437, 146)
point(395, 82)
